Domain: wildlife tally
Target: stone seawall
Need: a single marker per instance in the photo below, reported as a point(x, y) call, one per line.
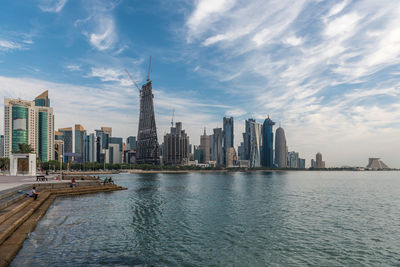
point(18, 219)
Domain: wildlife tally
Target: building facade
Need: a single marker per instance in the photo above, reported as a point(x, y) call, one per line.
point(205, 147)
point(131, 143)
point(115, 149)
point(267, 156)
point(255, 144)
point(176, 146)
point(280, 148)
point(319, 163)
point(228, 129)
point(293, 160)
point(67, 137)
point(218, 151)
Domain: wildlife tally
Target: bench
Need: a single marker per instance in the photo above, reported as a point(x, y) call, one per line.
point(41, 178)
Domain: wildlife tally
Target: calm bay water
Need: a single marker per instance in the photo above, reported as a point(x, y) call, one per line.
point(220, 219)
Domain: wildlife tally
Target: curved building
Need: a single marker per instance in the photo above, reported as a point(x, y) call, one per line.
point(280, 148)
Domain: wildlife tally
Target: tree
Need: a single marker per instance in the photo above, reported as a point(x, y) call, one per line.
point(4, 163)
point(24, 149)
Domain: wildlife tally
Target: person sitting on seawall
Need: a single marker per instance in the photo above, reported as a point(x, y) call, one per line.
point(33, 193)
point(105, 180)
point(111, 181)
point(73, 182)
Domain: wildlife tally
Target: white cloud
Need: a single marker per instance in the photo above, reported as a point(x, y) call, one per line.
point(104, 36)
point(336, 9)
point(8, 45)
point(111, 75)
point(52, 5)
point(73, 67)
point(293, 40)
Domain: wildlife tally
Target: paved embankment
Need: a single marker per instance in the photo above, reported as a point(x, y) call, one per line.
point(19, 215)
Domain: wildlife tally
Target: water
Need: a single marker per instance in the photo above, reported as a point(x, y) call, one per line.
point(225, 219)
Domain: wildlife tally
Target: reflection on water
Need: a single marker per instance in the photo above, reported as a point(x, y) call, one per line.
point(243, 219)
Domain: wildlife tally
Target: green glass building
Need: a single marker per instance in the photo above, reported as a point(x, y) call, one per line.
point(19, 126)
point(43, 136)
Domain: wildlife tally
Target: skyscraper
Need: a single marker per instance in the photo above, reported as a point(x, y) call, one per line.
point(115, 150)
point(67, 138)
point(246, 139)
point(80, 134)
point(147, 148)
point(107, 130)
point(267, 156)
point(228, 135)
point(255, 144)
point(131, 143)
point(90, 148)
point(1, 146)
point(280, 148)
point(218, 147)
point(20, 125)
point(319, 164)
point(205, 146)
point(293, 160)
point(176, 146)
point(43, 100)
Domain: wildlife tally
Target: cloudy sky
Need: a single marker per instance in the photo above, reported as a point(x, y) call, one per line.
point(327, 71)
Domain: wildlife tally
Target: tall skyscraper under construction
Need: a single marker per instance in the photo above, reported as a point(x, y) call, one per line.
point(148, 151)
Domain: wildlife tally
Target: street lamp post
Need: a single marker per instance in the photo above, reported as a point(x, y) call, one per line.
point(61, 158)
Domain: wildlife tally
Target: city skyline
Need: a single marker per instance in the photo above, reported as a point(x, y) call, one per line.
point(325, 92)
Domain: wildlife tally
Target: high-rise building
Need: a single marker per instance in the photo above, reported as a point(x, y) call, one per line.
point(312, 163)
point(131, 143)
point(45, 127)
point(255, 144)
point(102, 140)
point(205, 146)
point(80, 134)
point(107, 130)
point(43, 100)
point(176, 146)
point(67, 138)
point(293, 160)
point(267, 156)
point(218, 151)
point(241, 154)
point(20, 125)
point(376, 164)
point(246, 139)
point(211, 147)
point(319, 164)
point(230, 157)
point(280, 148)
point(1, 146)
point(147, 148)
point(227, 135)
point(302, 163)
point(115, 149)
point(90, 148)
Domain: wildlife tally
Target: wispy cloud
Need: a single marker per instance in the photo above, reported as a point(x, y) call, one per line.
point(9, 45)
point(54, 6)
point(73, 67)
point(110, 75)
point(104, 37)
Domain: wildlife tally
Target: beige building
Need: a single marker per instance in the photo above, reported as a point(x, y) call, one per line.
point(107, 130)
point(176, 146)
point(230, 157)
point(205, 146)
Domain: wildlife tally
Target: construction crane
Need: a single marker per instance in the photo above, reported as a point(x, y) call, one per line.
point(133, 80)
point(148, 72)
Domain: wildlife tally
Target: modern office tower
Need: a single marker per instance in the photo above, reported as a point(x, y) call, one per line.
point(218, 151)
point(280, 148)
point(115, 149)
point(312, 163)
point(293, 160)
point(67, 138)
point(246, 139)
point(58, 135)
point(58, 150)
point(255, 144)
point(20, 125)
point(230, 157)
point(80, 134)
point(199, 154)
point(1, 146)
point(241, 155)
point(205, 146)
point(102, 140)
point(176, 146)
point(90, 148)
point(147, 148)
point(131, 143)
point(227, 135)
point(45, 127)
point(376, 164)
point(211, 147)
point(267, 157)
point(319, 164)
point(43, 100)
point(302, 163)
point(107, 130)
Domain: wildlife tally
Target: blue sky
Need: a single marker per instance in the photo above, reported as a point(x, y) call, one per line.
point(328, 71)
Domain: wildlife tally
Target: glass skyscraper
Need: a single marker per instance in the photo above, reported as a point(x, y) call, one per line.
point(267, 156)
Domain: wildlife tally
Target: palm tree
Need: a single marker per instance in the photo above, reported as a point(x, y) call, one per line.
point(24, 149)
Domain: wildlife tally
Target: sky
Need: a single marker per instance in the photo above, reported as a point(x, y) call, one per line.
point(327, 71)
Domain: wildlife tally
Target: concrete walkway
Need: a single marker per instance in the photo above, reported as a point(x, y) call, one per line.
point(8, 182)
